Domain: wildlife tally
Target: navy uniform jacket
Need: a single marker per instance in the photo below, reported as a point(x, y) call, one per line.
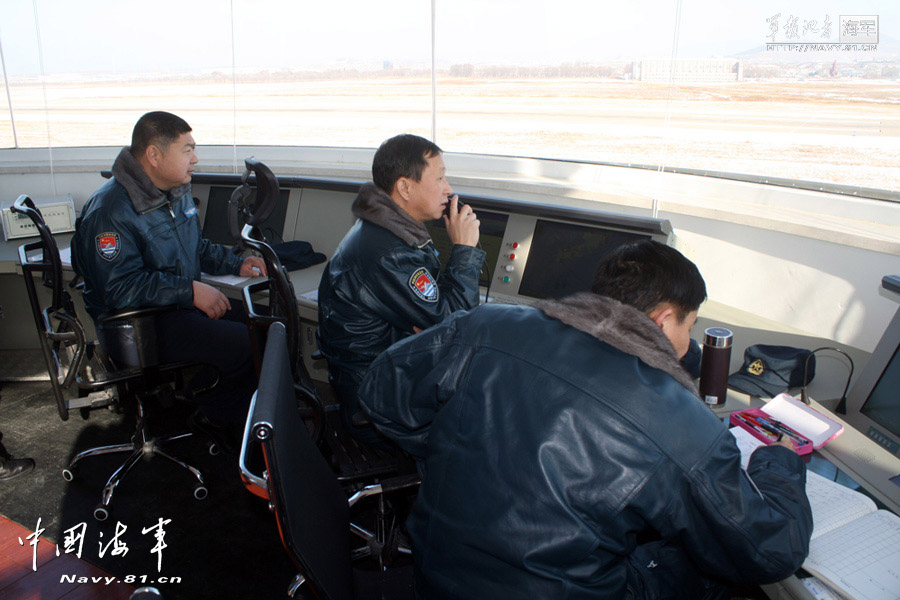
point(384, 279)
point(138, 246)
point(552, 440)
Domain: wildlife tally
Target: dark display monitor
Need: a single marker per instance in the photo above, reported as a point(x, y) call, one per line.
point(873, 405)
point(493, 227)
point(563, 257)
point(215, 224)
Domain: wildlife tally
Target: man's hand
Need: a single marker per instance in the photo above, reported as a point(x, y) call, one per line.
point(784, 441)
point(253, 266)
point(462, 224)
point(210, 300)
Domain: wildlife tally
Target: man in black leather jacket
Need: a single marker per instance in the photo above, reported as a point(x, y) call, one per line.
point(565, 453)
point(384, 281)
point(138, 243)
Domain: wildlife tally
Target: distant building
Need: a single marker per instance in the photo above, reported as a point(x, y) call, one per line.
point(688, 70)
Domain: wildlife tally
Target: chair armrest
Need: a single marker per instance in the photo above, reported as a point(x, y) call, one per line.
point(255, 484)
point(387, 486)
point(132, 313)
point(255, 318)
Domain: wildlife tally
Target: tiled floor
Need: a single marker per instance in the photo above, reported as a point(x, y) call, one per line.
point(63, 577)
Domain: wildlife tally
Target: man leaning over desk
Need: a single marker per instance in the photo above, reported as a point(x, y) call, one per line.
point(565, 453)
point(138, 243)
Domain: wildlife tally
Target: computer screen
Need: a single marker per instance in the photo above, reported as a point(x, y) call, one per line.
point(883, 403)
point(873, 405)
point(564, 256)
point(215, 224)
point(493, 227)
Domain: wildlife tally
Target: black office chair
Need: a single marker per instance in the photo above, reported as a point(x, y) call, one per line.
point(244, 217)
point(312, 510)
point(83, 374)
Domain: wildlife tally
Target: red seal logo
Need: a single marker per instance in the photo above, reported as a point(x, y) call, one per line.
point(108, 245)
point(422, 283)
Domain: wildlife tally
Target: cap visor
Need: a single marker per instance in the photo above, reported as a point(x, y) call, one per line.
point(754, 386)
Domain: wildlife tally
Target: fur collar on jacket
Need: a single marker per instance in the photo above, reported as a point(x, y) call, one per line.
point(373, 205)
point(144, 195)
point(621, 326)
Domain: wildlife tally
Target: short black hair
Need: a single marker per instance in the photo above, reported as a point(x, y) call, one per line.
point(646, 274)
point(403, 155)
point(158, 128)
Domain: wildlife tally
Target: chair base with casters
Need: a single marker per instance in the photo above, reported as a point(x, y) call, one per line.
point(142, 446)
point(140, 385)
point(76, 364)
point(312, 510)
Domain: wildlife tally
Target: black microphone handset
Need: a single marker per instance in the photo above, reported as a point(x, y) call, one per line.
point(459, 206)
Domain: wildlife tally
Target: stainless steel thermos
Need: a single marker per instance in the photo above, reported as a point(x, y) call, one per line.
point(715, 364)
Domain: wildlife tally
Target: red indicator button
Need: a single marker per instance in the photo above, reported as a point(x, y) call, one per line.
point(512, 256)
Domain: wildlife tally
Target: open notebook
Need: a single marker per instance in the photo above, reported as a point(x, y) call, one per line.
point(855, 548)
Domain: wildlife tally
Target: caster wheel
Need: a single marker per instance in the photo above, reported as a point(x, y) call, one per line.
point(101, 513)
point(200, 492)
point(68, 474)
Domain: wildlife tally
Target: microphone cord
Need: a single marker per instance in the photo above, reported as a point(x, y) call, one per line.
point(841, 407)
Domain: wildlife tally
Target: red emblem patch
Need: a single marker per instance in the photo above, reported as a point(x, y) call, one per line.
point(108, 245)
point(422, 283)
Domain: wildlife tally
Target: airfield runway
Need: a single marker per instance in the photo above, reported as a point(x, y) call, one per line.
point(844, 131)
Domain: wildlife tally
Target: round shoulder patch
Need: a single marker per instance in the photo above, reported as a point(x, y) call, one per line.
point(422, 283)
point(107, 245)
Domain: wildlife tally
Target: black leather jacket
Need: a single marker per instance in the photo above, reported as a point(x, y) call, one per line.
point(384, 279)
point(136, 245)
point(554, 439)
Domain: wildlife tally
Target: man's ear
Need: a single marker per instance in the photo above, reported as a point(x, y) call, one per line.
point(662, 314)
point(153, 155)
point(401, 189)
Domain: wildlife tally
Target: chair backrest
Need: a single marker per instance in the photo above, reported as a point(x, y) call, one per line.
point(283, 306)
point(311, 509)
point(64, 344)
point(60, 331)
point(244, 221)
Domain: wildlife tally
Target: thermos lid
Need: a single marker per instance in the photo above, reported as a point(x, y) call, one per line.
point(718, 337)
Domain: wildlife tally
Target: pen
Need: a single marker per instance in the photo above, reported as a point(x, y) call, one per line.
point(754, 426)
point(777, 429)
point(783, 429)
point(755, 420)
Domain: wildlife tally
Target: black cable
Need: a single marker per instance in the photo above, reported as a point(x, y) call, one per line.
point(490, 274)
point(484, 263)
point(841, 407)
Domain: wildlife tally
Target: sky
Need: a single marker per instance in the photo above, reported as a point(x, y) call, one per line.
point(187, 35)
